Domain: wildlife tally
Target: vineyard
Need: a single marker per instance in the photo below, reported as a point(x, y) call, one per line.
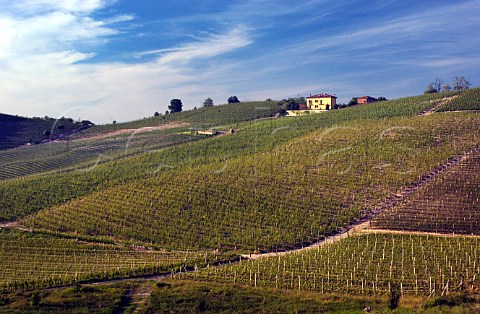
point(467, 100)
point(30, 261)
point(448, 205)
point(262, 136)
point(271, 200)
point(202, 117)
point(116, 202)
point(363, 264)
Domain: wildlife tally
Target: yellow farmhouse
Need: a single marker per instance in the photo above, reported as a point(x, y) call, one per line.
point(321, 102)
point(315, 104)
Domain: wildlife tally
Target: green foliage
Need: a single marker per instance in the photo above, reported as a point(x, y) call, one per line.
point(175, 105)
point(353, 101)
point(17, 131)
point(99, 299)
point(208, 102)
point(233, 99)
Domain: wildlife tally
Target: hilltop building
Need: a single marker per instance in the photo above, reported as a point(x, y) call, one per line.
point(321, 102)
point(366, 100)
point(314, 104)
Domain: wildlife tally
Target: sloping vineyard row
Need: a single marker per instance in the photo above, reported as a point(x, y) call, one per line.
point(29, 261)
point(365, 264)
point(255, 137)
point(265, 202)
point(448, 205)
point(467, 100)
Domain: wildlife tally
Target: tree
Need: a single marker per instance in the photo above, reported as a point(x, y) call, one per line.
point(156, 114)
point(353, 101)
point(381, 98)
point(446, 87)
point(292, 104)
point(430, 89)
point(459, 83)
point(208, 102)
point(175, 105)
point(232, 99)
point(437, 84)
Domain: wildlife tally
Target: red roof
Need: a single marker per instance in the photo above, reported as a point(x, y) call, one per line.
point(322, 96)
point(365, 97)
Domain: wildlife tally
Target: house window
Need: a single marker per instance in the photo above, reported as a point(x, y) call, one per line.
point(321, 101)
point(309, 102)
point(316, 100)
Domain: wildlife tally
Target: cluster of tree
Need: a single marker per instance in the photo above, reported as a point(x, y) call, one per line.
point(291, 103)
point(233, 99)
point(177, 106)
point(439, 85)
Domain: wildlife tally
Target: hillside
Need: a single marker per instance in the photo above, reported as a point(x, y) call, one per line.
point(362, 200)
point(17, 131)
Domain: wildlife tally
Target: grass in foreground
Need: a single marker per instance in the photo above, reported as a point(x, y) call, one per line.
point(202, 297)
point(110, 298)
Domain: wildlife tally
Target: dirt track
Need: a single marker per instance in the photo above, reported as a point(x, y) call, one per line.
point(139, 130)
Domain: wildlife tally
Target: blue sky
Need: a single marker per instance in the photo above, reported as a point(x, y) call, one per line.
point(121, 60)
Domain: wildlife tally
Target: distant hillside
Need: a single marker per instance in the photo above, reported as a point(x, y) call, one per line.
point(17, 131)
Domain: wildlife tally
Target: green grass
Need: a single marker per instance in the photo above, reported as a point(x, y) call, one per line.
point(208, 297)
point(76, 299)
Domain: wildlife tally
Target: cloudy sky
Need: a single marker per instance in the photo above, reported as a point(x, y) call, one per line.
point(121, 60)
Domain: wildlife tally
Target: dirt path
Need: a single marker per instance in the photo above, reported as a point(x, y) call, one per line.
point(364, 223)
point(14, 224)
point(345, 233)
point(166, 126)
point(437, 234)
point(436, 105)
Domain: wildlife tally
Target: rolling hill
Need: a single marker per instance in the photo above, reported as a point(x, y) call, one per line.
point(390, 184)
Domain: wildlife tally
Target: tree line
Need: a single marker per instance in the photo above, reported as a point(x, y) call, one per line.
point(176, 104)
point(439, 85)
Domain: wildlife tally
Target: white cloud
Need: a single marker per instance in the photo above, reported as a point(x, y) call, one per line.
point(43, 74)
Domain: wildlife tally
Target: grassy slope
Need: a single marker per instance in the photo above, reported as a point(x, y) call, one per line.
point(272, 199)
point(85, 149)
point(171, 296)
point(16, 131)
point(193, 297)
point(255, 137)
point(467, 100)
